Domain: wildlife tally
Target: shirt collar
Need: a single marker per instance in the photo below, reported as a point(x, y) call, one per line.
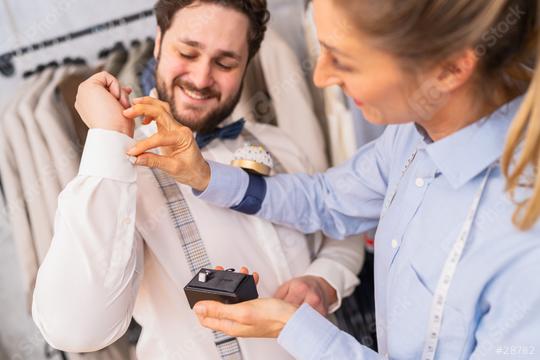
point(465, 154)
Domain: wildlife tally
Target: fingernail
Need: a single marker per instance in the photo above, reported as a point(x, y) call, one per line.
point(131, 151)
point(200, 309)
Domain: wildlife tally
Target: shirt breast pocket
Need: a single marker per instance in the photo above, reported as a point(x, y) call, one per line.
point(422, 281)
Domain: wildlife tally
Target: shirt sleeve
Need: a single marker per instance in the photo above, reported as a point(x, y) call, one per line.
point(309, 336)
point(227, 186)
point(86, 287)
point(345, 200)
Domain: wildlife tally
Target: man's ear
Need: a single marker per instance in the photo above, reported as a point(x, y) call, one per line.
point(457, 71)
point(157, 45)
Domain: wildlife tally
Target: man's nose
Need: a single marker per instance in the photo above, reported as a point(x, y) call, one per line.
point(201, 75)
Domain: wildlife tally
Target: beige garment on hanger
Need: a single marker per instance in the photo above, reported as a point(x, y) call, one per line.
point(46, 171)
point(26, 164)
point(291, 98)
point(338, 121)
point(138, 56)
point(341, 129)
point(115, 61)
point(68, 88)
point(255, 104)
point(16, 205)
point(57, 126)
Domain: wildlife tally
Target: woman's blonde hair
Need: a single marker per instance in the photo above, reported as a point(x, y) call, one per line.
point(503, 34)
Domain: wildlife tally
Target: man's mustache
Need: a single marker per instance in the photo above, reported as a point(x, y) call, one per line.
point(206, 92)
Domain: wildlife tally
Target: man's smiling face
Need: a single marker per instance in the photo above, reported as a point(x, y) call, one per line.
point(202, 59)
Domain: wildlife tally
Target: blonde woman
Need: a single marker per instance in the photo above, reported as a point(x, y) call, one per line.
point(452, 185)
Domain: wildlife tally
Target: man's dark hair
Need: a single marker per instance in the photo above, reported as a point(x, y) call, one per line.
point(256, 11)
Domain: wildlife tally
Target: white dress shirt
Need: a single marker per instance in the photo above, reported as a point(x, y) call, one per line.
point(115, 253)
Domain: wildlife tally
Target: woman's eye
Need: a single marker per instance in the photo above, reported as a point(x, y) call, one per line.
point(340, 66)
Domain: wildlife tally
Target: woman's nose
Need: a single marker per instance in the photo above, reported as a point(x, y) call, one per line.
point(323, 75)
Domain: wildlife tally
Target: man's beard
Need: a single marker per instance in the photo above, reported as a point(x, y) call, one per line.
point(203, 124)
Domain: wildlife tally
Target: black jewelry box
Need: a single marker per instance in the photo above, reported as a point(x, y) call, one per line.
point(225, 286)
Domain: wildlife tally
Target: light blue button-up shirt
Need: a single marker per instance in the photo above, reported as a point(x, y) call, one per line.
point(493, 306)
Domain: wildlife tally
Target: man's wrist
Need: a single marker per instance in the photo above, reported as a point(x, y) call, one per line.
point(329, 292)
point(126, 130)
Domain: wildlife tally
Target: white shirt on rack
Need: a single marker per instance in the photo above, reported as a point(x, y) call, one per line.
point(116, 252)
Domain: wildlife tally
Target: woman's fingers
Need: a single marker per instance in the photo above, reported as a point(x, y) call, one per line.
point(154, 161)
point(143, 110)
point(148, 100)
point(155, 141)
point(153, 112)
point(245, 270)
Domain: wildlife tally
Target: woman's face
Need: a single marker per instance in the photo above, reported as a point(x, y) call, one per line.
point(373, 78)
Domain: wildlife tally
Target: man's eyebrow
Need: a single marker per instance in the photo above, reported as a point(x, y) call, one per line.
point(231, 54)
point(191, 43)
point(221, 53)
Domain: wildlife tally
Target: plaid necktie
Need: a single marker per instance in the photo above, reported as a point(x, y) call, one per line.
point(194, 250)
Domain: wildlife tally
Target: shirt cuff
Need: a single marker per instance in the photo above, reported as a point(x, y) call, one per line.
point(227, 187)
point(105, 156)
point(338, 276)
point(307, 334)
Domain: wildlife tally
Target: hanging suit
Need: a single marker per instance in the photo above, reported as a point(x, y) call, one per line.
point(291, 98)
point(16, 206)
point(49, 183)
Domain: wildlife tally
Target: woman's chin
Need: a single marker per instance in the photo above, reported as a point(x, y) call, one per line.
point(373, 116)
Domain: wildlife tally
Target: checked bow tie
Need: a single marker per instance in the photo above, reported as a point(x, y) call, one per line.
point(231, 131)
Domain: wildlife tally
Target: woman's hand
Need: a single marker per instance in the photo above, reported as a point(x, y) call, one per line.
point(180, 156)
point(257, 318)
point(262, 318)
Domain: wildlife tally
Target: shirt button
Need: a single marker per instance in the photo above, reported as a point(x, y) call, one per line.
point(394, 244)
point(420, 182)
point(127, 221)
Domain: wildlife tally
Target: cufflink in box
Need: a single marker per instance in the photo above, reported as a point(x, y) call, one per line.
point(227, 287)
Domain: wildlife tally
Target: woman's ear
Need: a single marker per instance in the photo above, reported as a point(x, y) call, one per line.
point(456, 72)
point(157, 45)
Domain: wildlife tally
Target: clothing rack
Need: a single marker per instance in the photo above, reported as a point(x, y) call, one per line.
point(6, 60)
